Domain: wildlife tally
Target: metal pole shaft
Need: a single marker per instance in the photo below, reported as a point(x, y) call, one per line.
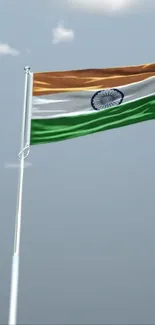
point(15, 259)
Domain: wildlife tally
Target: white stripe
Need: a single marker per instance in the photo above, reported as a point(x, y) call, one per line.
point(41, 101)
point(79, 103)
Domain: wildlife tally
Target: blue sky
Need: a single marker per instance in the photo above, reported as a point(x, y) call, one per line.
point(87, 244)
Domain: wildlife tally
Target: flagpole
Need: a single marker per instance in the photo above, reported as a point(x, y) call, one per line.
point(15, 258)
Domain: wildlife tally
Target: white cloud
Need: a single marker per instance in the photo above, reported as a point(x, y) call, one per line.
point(6, 49)
point(17, 165)
point(62, 34)
point(109, 6)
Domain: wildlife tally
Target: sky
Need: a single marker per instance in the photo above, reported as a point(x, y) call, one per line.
point(87, 241)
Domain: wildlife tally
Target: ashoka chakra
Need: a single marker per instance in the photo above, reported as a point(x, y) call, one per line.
point(107, 98)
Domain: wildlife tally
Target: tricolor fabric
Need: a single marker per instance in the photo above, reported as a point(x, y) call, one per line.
point(69, 104)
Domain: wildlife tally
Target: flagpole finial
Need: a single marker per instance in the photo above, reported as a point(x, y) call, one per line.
point(27, 69)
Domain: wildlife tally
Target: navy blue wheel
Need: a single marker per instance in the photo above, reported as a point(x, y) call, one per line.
point(107, 98)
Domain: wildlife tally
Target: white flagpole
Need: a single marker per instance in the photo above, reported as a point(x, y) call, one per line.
point(15, 259)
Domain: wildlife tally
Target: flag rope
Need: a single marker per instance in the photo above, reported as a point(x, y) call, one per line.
point(27, 147)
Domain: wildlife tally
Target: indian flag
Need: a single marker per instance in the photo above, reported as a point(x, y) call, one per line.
point(69, 104)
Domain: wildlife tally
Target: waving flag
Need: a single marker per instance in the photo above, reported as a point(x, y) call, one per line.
point(69, 104)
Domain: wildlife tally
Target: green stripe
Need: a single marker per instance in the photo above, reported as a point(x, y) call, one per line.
point(62, 128)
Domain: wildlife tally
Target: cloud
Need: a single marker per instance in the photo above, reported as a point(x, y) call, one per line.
point(6, 49)
point(62, 34)
point(109, 6)
point(17, 165)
